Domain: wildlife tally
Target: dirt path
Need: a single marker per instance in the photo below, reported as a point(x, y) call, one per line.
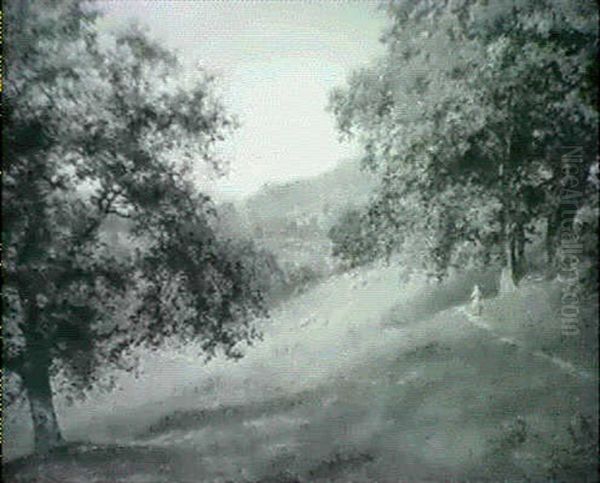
point(563, 365)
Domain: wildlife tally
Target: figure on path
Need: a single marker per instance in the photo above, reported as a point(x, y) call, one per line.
point(476, 302)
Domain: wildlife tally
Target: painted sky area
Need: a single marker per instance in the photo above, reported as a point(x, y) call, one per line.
point(277, 61)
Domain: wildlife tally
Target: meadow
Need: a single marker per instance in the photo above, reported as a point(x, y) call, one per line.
point(361, 378)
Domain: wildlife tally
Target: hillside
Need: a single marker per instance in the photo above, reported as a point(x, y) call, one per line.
point(358, 379)
point(292, 219)
point(321, 196)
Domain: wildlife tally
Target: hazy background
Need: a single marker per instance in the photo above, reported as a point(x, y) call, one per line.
point(277, 63)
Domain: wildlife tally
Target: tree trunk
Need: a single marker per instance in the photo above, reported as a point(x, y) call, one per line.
point(508, 275)
point(521, 262)
point(35, 370)
point(36, 379)
point(508, 282)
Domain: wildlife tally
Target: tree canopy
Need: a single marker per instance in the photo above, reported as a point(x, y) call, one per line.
point(99, 127)
point(466, 117)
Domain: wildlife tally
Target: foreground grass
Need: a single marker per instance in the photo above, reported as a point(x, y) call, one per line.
point(358, 381)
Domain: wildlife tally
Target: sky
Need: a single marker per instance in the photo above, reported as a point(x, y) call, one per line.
point(277, 62)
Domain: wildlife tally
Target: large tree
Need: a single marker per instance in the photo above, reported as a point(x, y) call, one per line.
point(466, 115)
point(98, 128)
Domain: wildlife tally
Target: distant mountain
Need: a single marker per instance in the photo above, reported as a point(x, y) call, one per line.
point(322, 196)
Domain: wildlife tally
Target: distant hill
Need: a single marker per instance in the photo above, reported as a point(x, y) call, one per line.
point(292, 219)
point(322, 196)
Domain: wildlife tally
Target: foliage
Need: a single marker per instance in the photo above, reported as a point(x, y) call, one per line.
point(352, 240)
point(109, 127)
point(465, 117)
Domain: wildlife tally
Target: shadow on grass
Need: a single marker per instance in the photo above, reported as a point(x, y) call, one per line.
point(198, 419)
point(334, 468)
point(87, 462)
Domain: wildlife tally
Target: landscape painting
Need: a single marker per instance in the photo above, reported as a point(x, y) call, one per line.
point(300, 241)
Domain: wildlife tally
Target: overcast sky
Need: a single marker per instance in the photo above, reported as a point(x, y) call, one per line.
point(278, 60)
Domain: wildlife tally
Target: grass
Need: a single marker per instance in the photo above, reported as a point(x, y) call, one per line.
point(532, 315)
point(384, 383)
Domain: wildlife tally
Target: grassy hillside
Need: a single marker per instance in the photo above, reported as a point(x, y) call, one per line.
point(362, 378)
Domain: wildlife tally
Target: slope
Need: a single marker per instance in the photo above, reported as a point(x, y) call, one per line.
point(359, 379)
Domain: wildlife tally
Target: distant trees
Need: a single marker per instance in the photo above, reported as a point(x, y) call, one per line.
point(466, 117)
point(96, 129)
point(353, 239)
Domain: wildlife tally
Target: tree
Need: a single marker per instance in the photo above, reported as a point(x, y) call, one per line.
point(98, 128)
point(349, 238)
point(468, 108)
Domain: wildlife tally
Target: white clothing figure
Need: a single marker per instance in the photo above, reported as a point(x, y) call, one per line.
point(476, 302)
